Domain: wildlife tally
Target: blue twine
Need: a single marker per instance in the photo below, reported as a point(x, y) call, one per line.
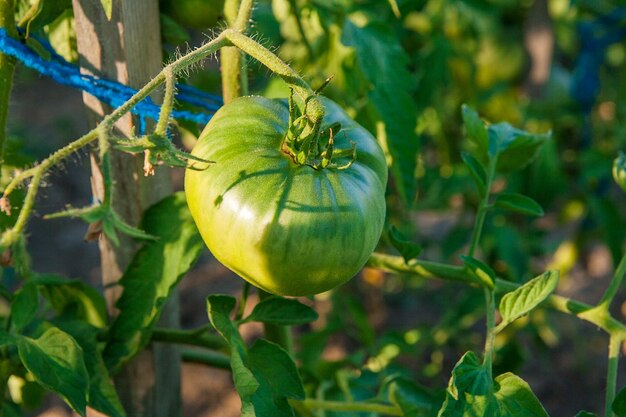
point(110, 92)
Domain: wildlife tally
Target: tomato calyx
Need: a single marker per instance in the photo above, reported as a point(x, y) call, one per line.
point(305, 142)
point(159, 149)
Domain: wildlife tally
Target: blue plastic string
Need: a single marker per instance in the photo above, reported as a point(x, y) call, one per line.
point(110, 92)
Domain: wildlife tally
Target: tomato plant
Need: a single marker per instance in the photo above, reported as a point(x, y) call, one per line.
point(289, 189)
point(289, 227)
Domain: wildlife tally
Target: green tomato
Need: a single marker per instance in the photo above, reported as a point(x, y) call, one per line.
point(286, 228)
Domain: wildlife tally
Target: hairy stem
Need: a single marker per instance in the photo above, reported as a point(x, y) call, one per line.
point(367, 407)
point(271, 61)
point(7, 70)
point(168, 102)
point(11, 236)
point(611, 375)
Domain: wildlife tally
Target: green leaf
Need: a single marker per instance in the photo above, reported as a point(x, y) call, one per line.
point(619, 403)
point(273, 363)
point(219, 308)
point(385, 67)
point(472, 393)
point(107, 5)
point(482, 273)
point(475, 130)
point(41, 13)
point(74, 298)
point(264, 376)
point(413, 400)
point(525, 298)
point(24, 306)
point(513, 147)
point(152, 275)
point(408, 249)
point(478, 172)
point(171, 32)
point(56, 361)
point(619, 170)
point(587, 414)
point(62, 36)
point(515, 398)
point(518, 203)
point(282, 311)
point(7, 338)
point(102, 394)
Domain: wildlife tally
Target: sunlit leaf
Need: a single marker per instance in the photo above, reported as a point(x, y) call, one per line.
point(56, 361)
point(525, 298)
point(152, 275)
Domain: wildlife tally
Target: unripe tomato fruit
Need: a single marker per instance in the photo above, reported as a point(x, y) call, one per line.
point(286, 228)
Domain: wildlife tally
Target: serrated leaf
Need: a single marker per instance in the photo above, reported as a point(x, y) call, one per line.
point(73, 297)
point(478, 172)
point(56, 361)
point(152, 275)
point(513, 147)
point(385, 66)
point(619, 403)
point(525, 298)
point(518, 203)
point(472, 393)
point(107, 5)
point(475, 129)
point(481, 272)
point(408, 249)
point(24, 306)
point(282, 311)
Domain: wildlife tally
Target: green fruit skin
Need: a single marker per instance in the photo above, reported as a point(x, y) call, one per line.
point(288, 229)
point(195, 14)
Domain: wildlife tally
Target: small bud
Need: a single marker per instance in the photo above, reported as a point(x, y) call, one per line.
point(5, 205)
point(148, 168)
point(619, 170)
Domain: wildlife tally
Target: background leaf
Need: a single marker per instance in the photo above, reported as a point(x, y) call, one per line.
point(619, 403)
point(408, 249)
point(384, 64)
point(24, 306)
point(518, 203)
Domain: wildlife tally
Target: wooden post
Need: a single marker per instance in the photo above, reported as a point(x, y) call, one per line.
point(127, 48)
